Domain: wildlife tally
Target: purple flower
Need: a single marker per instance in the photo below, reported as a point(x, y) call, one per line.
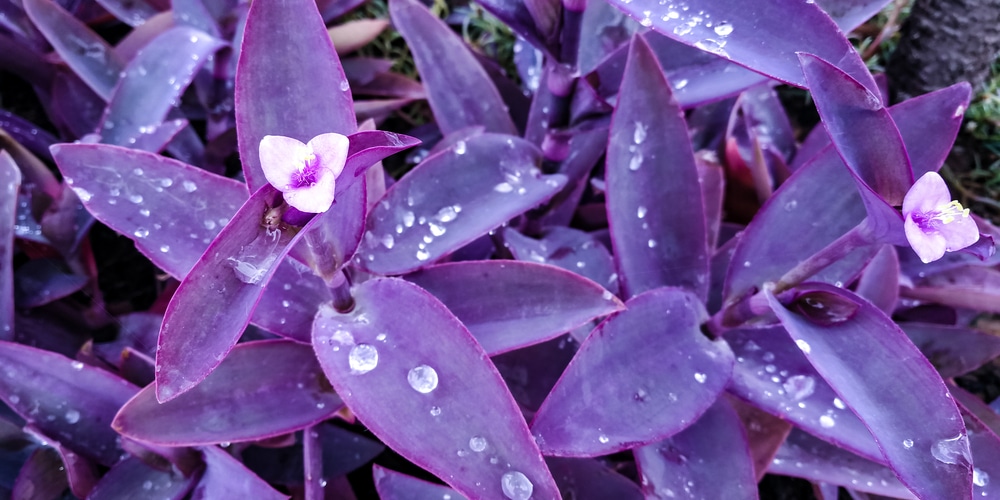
point(935, 223)
point(305, 173)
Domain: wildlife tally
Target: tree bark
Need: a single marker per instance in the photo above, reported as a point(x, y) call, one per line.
point(944, 42)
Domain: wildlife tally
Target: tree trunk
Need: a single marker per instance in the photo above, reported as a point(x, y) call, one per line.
point(944, 42)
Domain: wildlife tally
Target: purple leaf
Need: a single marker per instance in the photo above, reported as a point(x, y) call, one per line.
point(460, 92)
point(226, 477)
point(10, 177)
point(862, 129)
point(658, 374)
point(288, 82)
point(41, 281)
point(772, 374)
point(756, 36)
point(920, 434)
point(369, 147)
point(880, 281)
point(765, 434)
point(263, 389)
point(611, 31)
point(42, 476)
point(589, 479)
point(132, 12)
point(531, 372)
point(656, 244)
point(81, 473)
point(32, 138)
point(809, 458)
point(343, 452)
point(132, 478)
point(67, 400)
point(452, 198)
point(84, 51)
point(709, 459)
point(570, 249)
point(392, 485)
point(850, 14)
point(332, 241)
point(953, 350)
point(422, 391)
point(970, 287)
point(507, 305)
point(153, 82)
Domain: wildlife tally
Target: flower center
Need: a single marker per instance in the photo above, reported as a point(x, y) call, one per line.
point(306, 176)
point(946, 213)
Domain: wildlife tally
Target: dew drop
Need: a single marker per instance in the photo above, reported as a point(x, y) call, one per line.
point(144, 212)
point(435, 411)
point(388, 241)
point(635, 162)
point(436, 230)
point(516, 486)
point(363, 358)
point(344, 86)
point(189, 186)
point(422, 379)
point(640, 133)
point(799, 386)
point(839, 404)
point(803, 346)
point(723, 29)
point(700, 377)
point(503, 187)
point(135, 198)
point(423, 255)
point(477, 444)
point(651, 243)
point(460, 148)
point(980, 477)
point(826, 421)
point(952, 451)
point(164, 248)
point(72, 416)
point(141, 232)
point(447, 214)
point(209, 224)
point(408, 218)
point(641, 212)
point(907, 443)
point(603, 439)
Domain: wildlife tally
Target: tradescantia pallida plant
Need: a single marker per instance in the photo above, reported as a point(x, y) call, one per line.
point(624, 279)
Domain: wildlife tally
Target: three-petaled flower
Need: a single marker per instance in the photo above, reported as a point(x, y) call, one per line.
point(934, 223)
point(304, 173)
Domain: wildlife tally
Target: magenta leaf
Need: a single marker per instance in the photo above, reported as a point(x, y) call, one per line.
point(225, 476)
point(84, 51)
point(263, 389)
point(862, 129)
point(507, 305)
point(805, 456)
point(695, 460)
point(659, 374)
point(589, 479)
point(756, 36)
point(67, 400)
point(422, 391)
point(10, 177)
point(288, 82)
point(656, 244)
point(132, 478)
point(392, 485)
point(153, 82)
point(920, 434)
point(772, 374)
point(452, 198)
point(460, 92)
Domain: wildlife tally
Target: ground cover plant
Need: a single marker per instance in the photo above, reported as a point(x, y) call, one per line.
point(617, 275)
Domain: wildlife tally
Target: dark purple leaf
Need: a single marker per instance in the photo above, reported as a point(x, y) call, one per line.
point(809, 458)
point(985, 446)
point(289, 81)
point(30, 136)
point(131, 478)
point(589, 479)
point(422, 392)
point(75, 108)
point(195, 13)
point(67, 400)
point(772, 374)
point(607, 29)
point(452, 198)
point(953, 350)
point(656, 244)
point(879, 282)
point(369, 147)
point(862, 129)
point(766, 119)
point(507, 305)
point(153, 82)
point(971, 287)
point(570, 249)
point(332, 241)
point(343, 452)
point(756, 36)
point(850, 14)
point(10, 177)
point(515, 14)
point(41, 281)
point(84, 51)
point(42, 476)
point(920, 434)
point(585, 148)
point(709, 459)
point(657, 374)
point(81, 473)
point(263, 389)
point(531, 372)
point(226, 477)
point(460, 92)
point(765, 433)
point(392, 485)
point(132, 12)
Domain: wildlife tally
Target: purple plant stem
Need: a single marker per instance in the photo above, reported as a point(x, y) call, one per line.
point(313, 455)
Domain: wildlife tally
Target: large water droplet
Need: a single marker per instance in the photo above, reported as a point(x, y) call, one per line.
point(952, 451)
point(423, 379)
point(363, 358)
point(723, 29)
point(516, 486)
point(799, 386)
point(980, 477)
point(826, 421)
point(477, 443)
point(825, 308)
point(839, 404)
point(803, 346)
point(700, 377)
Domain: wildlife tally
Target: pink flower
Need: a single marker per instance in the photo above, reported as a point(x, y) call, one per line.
point(935, 223)
point(304, 173)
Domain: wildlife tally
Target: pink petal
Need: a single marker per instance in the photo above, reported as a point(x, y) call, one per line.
point(928, 246)
point(331, 150)
point(316, 198)
point(928, 193)
point(280, 157)
point(960, 233)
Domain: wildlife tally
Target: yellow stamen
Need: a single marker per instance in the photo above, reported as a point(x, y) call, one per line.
point(947, 212)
